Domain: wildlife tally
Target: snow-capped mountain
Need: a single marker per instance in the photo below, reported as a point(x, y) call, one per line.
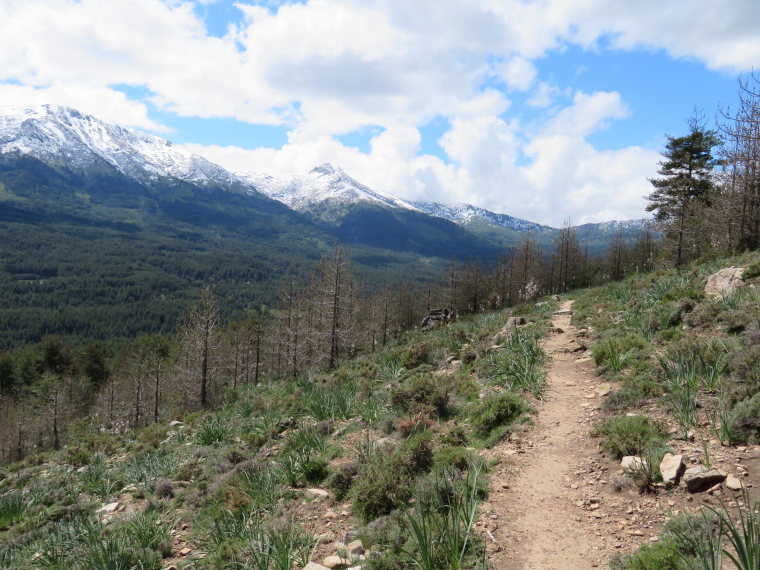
point(465, 213)
point(62, 135)
point(323, 184)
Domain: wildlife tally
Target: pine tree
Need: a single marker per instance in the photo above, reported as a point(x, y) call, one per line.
point(686, 181)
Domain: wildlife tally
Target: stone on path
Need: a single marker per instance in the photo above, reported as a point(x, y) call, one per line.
point(671, 468)
point(733, 483)
point(699, 477)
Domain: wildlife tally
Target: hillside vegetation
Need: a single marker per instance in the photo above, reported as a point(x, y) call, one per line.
point(384, 446)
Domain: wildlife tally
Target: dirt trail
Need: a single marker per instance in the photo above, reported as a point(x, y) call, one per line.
point(544, 511)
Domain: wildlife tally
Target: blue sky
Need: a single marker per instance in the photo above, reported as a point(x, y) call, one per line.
point(549, 110)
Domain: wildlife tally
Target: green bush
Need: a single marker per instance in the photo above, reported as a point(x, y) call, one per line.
point(422, 394)
point(752, 271)
point(629, 435)
point(341, 481)
point(747, 420)
point(385, 482)
point(417, 354)
point(658, 556)
point(496, 410)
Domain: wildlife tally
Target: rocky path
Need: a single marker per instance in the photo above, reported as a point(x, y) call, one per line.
point(550, 499)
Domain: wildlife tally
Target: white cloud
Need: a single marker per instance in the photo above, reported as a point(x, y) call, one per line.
point(518, 73)
point(327, 67)
point(588, 113)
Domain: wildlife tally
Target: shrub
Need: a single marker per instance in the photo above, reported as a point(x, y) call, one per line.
point(629, 435)
point(165, 489)
point(417, 354)
point(658, 556)
point(496, 410)
point(747, 420)
point(385, 481)
point(341, 481)
point(752, 271)
point(422, 394)
point(449, 455)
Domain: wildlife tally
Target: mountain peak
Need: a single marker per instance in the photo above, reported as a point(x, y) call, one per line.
point(55, 134)
point(326, 169)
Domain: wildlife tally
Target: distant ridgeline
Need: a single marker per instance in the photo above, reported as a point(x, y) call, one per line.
point(109, 233)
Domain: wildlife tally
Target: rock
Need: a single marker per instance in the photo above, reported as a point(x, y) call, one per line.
point(513, 323)
point(314, 566)
point(336, 562)
point(603, 390)
point(555, 297)
point(633, 463)
point(316, 494)
point(355, 548)
point(733, 484)
point(671, 468)
point(563, 312)
point(175, 423)
point(185, 551)
point(724, 282)
point(698, 478)
point(436, 318)
point(109, 508)
point(288, 422)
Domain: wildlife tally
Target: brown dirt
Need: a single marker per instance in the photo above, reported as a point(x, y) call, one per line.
point(551, 505)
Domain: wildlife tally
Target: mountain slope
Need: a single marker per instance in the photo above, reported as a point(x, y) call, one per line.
point(64, 136)
point(323, 191)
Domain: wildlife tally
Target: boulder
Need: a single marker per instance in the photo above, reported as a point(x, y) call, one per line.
point(671, 468)
point(436, 318)
point(699, 478)
point(513, 323)
point(724, 282)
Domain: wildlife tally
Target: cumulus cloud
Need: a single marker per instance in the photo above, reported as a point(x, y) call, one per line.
point(327, 67)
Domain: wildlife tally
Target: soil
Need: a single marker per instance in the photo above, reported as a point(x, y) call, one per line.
point(558, 502)
point(551, 504)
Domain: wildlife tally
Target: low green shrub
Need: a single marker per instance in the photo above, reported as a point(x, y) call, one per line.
point(629, 435)
point(657, 556)
point(751, 271)
point(385, 481)
point(496, 411)
point(423, 394)
point(747, 420)
point(341, 481)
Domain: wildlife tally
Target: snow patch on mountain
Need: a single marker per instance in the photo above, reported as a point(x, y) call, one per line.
point(464, 213)
point(58, 134)
point(323, 184)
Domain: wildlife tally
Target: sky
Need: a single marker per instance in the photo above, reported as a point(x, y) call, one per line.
point(554, 111)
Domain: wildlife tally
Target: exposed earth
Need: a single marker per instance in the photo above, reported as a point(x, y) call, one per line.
point(556, 500)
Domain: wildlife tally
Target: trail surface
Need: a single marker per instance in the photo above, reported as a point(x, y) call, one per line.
point(550, 505)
